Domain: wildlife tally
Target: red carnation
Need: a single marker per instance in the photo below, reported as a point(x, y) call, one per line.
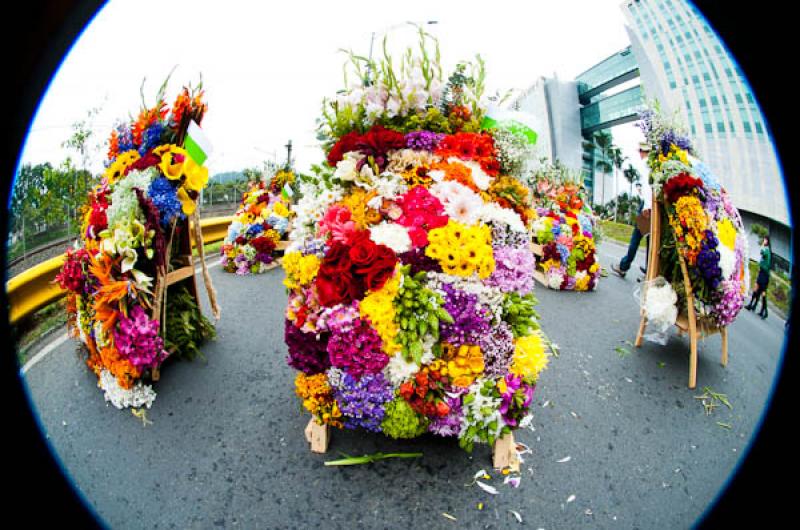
point(345, 144)
point(333, 287)
point(263, 244)
point(680, 185)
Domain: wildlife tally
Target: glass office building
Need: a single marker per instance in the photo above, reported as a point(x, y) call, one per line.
point(684, 64)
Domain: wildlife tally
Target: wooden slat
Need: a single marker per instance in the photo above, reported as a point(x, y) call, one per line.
point(179, 274)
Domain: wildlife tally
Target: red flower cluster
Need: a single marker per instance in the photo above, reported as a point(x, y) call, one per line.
point(71, 275)
point(98, 221)
point(350, 269)
point(376, 142)
point(422, 212)
point(471, 146)
point(424, 393)
point(263, 244)
point(550, 251)
point(680, 185)
point(143, 163)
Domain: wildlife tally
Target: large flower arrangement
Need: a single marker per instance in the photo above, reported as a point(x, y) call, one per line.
point(150, 183)
point(259, 225)
point(701, 224)
point(565, 228)
point(409, 267)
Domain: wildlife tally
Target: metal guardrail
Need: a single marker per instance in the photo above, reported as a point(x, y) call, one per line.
point(34, 288)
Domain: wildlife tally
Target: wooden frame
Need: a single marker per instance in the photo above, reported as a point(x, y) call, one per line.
point(686, 322)
point(166, 277)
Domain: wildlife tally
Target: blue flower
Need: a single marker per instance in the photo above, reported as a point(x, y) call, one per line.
point(254, 230)
point(125, 140)
point(165, 198)
point(151, 137)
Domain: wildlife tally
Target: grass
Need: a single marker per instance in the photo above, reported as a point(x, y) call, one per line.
point(779, 290)
point(618, 232)
point(37, 325)
point(209, 249)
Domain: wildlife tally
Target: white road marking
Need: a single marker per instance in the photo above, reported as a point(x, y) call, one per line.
point(43, 352)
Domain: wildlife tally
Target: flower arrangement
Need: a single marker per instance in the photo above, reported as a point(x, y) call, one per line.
point(129, 219)
point(701, 225)
point(565, 228)
point(409, 266)
point(261, 222)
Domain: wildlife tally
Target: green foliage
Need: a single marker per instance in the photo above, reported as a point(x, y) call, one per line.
point(519, 313)
point(760, 230)
point(186, 327)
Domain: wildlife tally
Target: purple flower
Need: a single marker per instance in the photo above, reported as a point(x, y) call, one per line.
point(423, 140)
point(514, 402)
point(513, 270)
point(358, 350)
point(497, 348)
point(470, 321)
point(708, 261)
point(450, 424)
point(504, 236)
point(137, 340)
point(362, 401)
point(307, 352)
point(419, 261)
point(264, 257)
point(730, 303)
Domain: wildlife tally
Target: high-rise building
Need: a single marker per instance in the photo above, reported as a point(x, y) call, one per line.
point(684, 64)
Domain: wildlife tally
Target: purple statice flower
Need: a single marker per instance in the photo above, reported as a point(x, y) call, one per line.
point(308, 352)
point(137, 339)
point(362, 401)
point(423, 140)
point(470, 320)
point(730, 303)
point(358, 350)
point(510, 410)
point(504, 236)
point(564, 251)
point(264, 257)
point(708, 260)
point(513, 270)
point(671, 137)
point(497, 348)
point(449, 424)
point(340, 319)
point(419, 261)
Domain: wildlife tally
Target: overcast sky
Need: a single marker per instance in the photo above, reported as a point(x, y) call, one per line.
point(267, 66)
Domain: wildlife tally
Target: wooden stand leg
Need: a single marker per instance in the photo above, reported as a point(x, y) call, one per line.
point(155, 374)
point(640, 334)
point(724, 334)
point(693, 355)
point(318, 436)
point(504, 453)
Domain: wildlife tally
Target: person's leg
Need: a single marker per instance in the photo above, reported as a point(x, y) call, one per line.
point(754, 299)
point(633, 246)
point(763, 312)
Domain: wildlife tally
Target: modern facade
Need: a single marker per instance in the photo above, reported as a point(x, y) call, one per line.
point(684, 64)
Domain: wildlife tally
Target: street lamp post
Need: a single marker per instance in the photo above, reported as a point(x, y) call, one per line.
point(368, 79)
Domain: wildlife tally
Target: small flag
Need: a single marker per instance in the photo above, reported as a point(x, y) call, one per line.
point(287, 192)
point(197, 143)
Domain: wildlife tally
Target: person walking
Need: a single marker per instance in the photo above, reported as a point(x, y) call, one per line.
point(636, 236)
point(762, 281)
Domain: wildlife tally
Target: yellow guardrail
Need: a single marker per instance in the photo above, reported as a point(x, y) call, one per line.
point(34, 288)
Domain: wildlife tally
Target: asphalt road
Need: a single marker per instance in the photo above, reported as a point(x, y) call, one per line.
point(618, 440)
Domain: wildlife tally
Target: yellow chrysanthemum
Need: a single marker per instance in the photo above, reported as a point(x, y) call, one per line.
point(462, 250)
point(726, 233)
point(115, 171)
point(280, 209)
point(529, 357)
point(378, 308)
point(464, 364)
point(300, 270)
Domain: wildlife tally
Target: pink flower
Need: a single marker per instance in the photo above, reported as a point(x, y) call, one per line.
point(337, 222)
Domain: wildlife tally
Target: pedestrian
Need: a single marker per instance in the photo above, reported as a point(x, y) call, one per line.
point(762, 281)
point(636, 236)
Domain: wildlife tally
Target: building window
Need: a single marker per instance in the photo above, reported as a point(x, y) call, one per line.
point(714, 101)
point(759, 129)
point(706, 76)
point(729, 73)
point(694, 130)
point(746, 126)
point(720, 127)
point(702, 102)
point(730, 125)
point(708, 128)
point(696, 80)
point(673, 84)
point(749, 97)
point(739, 99)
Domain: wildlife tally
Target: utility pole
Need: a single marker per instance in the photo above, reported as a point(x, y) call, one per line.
point(288, 154)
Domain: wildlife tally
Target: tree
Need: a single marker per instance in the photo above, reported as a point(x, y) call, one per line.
point(603, 142)
point(26, 198)
point(632, 175)
point(615, 153)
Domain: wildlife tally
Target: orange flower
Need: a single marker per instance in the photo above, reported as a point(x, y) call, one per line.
point(457, 172)
point(146, 118)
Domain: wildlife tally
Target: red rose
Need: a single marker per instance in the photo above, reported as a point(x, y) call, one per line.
point(363, 250)
point(332, 287)
point(380, 270)
point(337, 258)
point(345, 144)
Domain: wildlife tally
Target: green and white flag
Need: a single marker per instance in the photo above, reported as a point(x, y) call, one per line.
point(519, 123)
point(287, 192)
point(197, 143)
